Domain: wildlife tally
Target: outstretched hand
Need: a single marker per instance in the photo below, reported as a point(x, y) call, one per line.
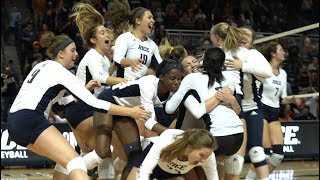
point(93, 84)
point(139, 113)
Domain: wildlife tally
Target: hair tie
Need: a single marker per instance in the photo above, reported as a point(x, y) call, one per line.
point(169, 67)
point(171, 49)
point(61, 46)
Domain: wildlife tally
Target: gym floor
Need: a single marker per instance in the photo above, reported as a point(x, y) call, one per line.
point(289, 170)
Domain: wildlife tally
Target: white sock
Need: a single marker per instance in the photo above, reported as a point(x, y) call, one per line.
point(82, 154)
point(92, 160)
point(119, 164)
point(106, 169)
point(251, 175)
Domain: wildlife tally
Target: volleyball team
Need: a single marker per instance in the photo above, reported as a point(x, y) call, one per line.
point(167, 114)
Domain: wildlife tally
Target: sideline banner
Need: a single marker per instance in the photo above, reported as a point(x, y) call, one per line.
point(16, 155)
point(301, 140)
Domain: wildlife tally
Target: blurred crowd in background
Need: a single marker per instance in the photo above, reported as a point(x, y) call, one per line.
point(24, 22)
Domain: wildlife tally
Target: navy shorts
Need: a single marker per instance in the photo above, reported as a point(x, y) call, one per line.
point(228, 145)
point(270, 114)
point(25, 126)
point(106, 95)
point(78, 112)
point(157, 172)
point(254, 121)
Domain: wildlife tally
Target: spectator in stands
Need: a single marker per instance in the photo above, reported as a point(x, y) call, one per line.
point(286, 113)
point(205, 41)
point(44, 30)
point(306, 114)
point(28, 37)
point(9, 82)
point(292, 65)
point(14, 16)
point(200, 20)
point(49, 16)
point(61, 17)
point(159, 16)
point(303, 80)
point(161, 33)
point(38, 9)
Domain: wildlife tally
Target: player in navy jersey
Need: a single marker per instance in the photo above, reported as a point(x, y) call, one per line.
point(93, 66)
point(150, 91)
point(45, 85)
point(174, 153)
point(135, 54)
point(244, 66)
point(205, 87)
point(273, 90)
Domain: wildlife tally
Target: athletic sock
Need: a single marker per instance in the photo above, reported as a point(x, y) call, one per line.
point(106, 169)
point(92, 160)
point(251, 175)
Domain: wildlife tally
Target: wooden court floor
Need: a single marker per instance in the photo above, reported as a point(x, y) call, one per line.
point(289, 170)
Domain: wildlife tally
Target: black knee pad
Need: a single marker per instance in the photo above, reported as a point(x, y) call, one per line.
point(277, 148)
point(277, 156)
point(132, 149)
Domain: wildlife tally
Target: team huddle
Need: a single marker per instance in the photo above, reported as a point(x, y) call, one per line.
point(167, 114)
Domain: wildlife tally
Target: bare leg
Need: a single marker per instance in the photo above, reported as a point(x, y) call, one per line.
point(53, 145)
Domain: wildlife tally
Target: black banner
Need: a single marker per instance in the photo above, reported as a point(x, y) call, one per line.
point(301, 140)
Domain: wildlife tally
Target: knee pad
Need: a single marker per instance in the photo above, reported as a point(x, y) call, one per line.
point(233, 164)
point(132, 149)
point(276, 159)
point(277, 156)
point(257, 156)
point(76, 163)
point(61, 169)
point(267, 151)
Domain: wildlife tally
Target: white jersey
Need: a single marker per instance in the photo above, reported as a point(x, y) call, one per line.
point(273, 88)
point(253, 62)
point(175, 166)
point(142, 91)
point(199, 82)
point(46, 84)
point(128, 46)
point(93, 66)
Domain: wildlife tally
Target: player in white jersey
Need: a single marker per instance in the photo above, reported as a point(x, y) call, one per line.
point(244, 66)
point(272, 90)
point(186, 120)
point(93, 66)
point(45, 85)
point(174, 153)
point(203, 85)
point(135, 54)
point(150, 91)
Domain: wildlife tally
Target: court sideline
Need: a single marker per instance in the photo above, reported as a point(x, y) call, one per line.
point(289, 170)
